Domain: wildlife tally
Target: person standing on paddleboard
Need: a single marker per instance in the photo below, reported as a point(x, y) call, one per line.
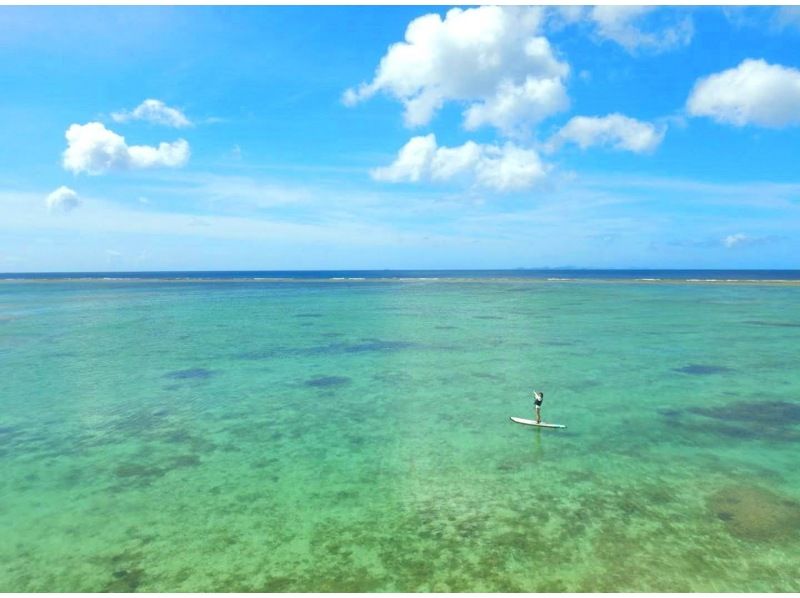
point(538, 397)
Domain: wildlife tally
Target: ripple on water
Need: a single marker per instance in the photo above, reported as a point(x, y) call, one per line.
point(776, 324)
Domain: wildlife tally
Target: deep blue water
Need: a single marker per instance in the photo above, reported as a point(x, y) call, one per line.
point(715, 275)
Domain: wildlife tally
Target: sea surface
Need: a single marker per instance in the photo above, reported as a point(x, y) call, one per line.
point(349, 431)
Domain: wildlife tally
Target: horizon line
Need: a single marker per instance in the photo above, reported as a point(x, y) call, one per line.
point(515, 269)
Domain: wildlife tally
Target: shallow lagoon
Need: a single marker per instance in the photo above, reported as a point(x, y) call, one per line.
point(304, 436)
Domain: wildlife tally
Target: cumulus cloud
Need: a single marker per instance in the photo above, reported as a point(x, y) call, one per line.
point(154, 111)
point(754, 92)
point(63, 198)
point(93, 149)
point(734, 240)
point(623, 25)
point(741, 240)
point(487, 57)
point(532, 101)
point(615, 130)
point(506, 168)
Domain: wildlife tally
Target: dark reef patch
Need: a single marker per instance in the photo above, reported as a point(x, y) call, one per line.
point(365, 346)
point(139, 474)
point(770, 413)
point(142, 475)
point(7, 431)
point(281, 584)
point(488, 317)
point(328, 381)
point(308, 315)
point(185, 461)
point(125, 581)
point(696, 369)
point(259, 354)
point(749, 420)
point(126, 572)
point(670, 413)
point(177, 437)
point(377, 345)
point(190, 374)
point(756, 514)
point(446, 327)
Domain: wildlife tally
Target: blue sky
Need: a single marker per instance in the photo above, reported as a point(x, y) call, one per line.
point(201, 138)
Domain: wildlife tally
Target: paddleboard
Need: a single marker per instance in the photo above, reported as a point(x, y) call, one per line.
point(530, 422)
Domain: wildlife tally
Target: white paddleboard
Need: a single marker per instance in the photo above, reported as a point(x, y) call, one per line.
point(530, 422)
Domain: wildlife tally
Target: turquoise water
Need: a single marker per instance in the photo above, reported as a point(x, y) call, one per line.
point(309, 436)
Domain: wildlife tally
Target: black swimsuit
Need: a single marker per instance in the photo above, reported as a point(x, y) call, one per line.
point(538, 402)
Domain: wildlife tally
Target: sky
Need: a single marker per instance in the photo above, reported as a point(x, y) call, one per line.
point(150, 138)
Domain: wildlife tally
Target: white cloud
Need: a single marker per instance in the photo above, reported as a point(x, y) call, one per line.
point(615, 130)
point(506, 168)
point(622, 24)
point(532, 101)
point(62, 198)
point(488, 57)
point(740, 240)
point(93, 149)
point(787, 16)
point(734, 240)
point(154, 111)
point(559, 17)
point(754, 92)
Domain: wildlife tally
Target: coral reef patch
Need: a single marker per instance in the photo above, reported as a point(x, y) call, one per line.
point(328, 381)
point(772, 413)
point(755, 513)
point(192, 373)
point(762, 420)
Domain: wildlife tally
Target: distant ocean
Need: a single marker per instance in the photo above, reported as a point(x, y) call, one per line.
point(349, 431)
point(545, 274)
